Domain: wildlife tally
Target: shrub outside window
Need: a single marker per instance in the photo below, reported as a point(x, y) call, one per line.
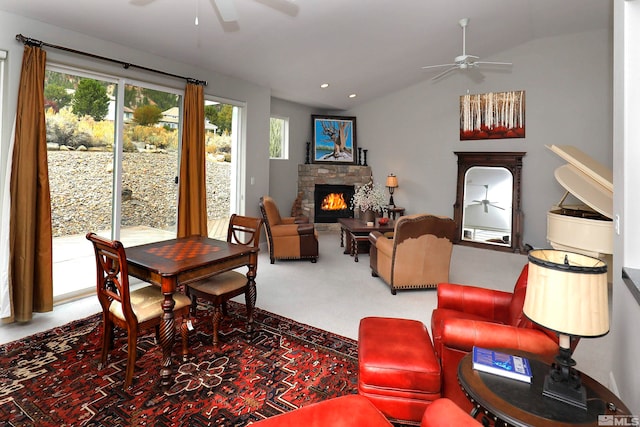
point(279, 138)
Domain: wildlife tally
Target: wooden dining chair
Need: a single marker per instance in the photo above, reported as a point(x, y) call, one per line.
point(133, 311)
point(222, 287)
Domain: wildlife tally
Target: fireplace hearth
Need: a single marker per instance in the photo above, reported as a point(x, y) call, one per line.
point(332, 202)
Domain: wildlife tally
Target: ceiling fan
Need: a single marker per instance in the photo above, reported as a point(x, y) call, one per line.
point(227, 9)
point(485, 202)
point(464, 61)
point(228, 12)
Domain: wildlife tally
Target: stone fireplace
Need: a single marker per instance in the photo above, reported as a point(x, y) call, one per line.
point(310, 175)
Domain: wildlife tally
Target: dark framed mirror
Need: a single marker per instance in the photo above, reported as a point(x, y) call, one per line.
point(488, 212)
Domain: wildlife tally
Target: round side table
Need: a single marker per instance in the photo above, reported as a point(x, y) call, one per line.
point(516, 403)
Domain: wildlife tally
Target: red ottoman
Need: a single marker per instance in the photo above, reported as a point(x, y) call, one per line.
point(346, 411)
point(398, 369)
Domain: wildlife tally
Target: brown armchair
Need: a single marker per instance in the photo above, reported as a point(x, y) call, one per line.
point(288, 237)
point(418, 255)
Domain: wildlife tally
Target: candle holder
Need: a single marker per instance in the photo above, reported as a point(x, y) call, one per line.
point(359, 160)
point(365, 157)
point(306, 162)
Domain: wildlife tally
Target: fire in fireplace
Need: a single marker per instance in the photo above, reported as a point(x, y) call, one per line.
point(332, 202)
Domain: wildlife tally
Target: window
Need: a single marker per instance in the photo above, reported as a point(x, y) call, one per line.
point(279, 138)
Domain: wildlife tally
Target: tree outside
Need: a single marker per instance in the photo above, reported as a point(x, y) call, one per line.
point(90, 99)
point(275, 137)
point(220, 115)
point(147, 115)
point(57, 97)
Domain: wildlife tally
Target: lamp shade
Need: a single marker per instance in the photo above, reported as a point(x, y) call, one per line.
point(567, 293)
point(392, 181)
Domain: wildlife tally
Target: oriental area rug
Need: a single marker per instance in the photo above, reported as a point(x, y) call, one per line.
point(52, 378)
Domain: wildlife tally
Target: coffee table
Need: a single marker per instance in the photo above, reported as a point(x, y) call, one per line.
point(516, 403)
point(357, 234)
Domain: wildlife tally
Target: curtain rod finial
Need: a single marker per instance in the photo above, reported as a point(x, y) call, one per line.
point(28, 41)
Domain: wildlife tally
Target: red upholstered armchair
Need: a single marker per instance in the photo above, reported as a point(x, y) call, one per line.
point(469, 315)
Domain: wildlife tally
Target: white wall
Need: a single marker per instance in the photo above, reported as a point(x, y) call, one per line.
point(283, 174)
point(257, 98)
point(415, 131)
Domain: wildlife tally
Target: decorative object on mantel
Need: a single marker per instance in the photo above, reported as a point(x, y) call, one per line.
point(494, 115)
point(392, 184)
point(369, 199)
point(364, 163)
point(359, 162)
point(334, 139)
point(306, 162)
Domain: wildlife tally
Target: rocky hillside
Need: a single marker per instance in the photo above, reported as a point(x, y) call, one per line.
point(82, 185)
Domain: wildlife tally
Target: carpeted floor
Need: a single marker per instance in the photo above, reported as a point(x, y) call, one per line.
point(52, 378)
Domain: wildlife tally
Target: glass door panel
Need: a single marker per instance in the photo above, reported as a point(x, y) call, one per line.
point(220, 145)
point(149, 191)
point(80, 141)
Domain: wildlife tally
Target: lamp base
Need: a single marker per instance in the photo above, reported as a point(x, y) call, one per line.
point(565, 391)
point(563, 381)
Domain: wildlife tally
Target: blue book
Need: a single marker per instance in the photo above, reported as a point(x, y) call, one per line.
point(505, 365)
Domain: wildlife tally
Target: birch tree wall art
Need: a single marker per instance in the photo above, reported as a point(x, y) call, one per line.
point(492, 115)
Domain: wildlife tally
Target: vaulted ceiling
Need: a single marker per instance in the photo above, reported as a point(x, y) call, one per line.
point(366, 47)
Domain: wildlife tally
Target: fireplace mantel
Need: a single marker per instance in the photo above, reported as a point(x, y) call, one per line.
point(311, 174)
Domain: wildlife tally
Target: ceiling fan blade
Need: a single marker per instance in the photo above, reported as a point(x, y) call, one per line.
point(288, 7)
point(444, 73)
point(496, 206)
point(492, 63)
point(226, 9)
point(439, 66)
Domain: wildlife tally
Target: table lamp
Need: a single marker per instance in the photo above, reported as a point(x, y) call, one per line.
point(392, 184)
point(567, 293)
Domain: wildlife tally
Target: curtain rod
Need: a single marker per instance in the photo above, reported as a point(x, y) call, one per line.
point(33, 42)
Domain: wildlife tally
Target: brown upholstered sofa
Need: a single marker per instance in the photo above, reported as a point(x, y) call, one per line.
point(418, 255)
point(288, 237)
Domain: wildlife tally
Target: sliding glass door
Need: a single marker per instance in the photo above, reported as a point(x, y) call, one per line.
point(113, 149)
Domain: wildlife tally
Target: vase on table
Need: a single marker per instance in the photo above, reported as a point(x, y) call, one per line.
point(368, 215)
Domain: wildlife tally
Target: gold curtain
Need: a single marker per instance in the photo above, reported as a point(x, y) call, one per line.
point(192, 201)
point(31, 265)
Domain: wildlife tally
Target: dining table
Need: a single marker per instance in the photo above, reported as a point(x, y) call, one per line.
point(172, 263)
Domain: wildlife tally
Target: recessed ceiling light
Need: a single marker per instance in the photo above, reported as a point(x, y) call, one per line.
point(324, 85)
point(353, 95)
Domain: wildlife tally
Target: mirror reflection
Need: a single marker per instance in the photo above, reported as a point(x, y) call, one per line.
point(487, 205)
